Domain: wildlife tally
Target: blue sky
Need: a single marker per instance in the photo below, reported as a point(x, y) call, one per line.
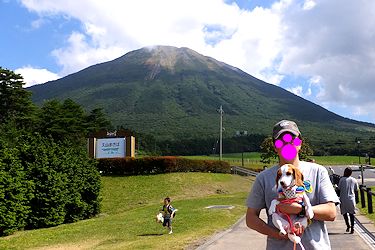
point(323, 51)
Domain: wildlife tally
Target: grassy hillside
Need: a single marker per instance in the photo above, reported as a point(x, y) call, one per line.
point(173, 93)
point(129, 206)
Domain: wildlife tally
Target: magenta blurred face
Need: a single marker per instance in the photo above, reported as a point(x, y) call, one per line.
point(288, 146)
point(297, 142)
point(287, 138)
point(279, 143)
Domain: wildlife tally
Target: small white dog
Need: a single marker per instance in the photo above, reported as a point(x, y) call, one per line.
point(160, 217)
point(290, 187)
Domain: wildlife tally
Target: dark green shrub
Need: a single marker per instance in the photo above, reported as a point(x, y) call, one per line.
point(66, 182)
point(40, 156)
point(44, 181)
point(15, 191)
point(157, 165)
point(85, 184)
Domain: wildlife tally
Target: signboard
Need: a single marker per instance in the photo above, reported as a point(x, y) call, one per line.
point(110, 148)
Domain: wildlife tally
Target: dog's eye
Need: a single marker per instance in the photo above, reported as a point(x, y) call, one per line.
point(288, 173)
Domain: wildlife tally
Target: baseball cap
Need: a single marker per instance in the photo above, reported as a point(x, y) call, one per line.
point(285, 126)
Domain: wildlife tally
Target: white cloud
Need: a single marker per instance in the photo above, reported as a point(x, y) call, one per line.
point(362, 112)
point(272, 78)
point(335, 41)
point(245, 39)
point(359, 111)
point(308, 92)
point(79, 54)
point(296, 90)
point(309, 4)
point(315, 80)
point(37, 23)
point(33, 76)
point(329, 42)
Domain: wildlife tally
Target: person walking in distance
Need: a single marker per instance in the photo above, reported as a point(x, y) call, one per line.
point(347, 186)
point(331, 172)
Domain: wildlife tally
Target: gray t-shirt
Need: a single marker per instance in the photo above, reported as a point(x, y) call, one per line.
point(321, 191)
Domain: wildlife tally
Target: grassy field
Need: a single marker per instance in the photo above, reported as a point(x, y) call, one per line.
point(337, 160)
point(247, 159)
point(364, 211)
point(128, 214)
point(252, 159)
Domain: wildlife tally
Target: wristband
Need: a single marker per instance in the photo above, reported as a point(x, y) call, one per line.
point(303, 211)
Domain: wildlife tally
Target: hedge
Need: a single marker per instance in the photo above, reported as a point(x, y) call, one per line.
point(44, 184)
point(15, 190)
point(159, 165)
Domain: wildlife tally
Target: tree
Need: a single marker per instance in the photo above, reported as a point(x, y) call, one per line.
point(268, 152)
point(15, 102)
point(97, 120)
point(15, 190)
point(306, 151)
point(63, 121)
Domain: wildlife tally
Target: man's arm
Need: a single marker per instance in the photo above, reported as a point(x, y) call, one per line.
point(254, 222)
point(325, 211)
point(322, 212)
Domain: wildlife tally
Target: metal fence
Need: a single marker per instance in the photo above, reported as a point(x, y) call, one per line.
point(362, 190)
point(243, 171)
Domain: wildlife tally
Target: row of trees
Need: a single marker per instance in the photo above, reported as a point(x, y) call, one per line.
point(207, 146)
point(60, 120)
point(248, 143)
point(46, 177)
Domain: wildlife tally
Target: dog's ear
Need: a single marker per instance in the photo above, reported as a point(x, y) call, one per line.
point(298, 176)
point(278, 175)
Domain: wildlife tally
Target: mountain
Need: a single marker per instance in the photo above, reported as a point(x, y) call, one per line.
point(174, 93)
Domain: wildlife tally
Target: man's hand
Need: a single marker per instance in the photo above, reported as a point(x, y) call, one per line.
point(293, 208)
point(299, 228)
point(281, 236)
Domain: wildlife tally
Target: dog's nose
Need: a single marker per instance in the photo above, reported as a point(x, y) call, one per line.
point(282, 183)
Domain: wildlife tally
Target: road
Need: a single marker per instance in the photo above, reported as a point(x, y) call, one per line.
point(368, 174)
point(240, 237)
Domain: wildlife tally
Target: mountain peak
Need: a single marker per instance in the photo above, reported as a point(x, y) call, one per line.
point(163, 56)
point(175, 59)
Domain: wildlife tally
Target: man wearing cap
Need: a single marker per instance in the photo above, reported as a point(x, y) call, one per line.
point(287, 143)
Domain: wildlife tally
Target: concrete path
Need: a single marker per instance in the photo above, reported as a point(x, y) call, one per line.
point(240, 237)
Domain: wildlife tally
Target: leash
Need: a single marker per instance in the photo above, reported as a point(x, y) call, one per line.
point(291, 225)
point(289, 201)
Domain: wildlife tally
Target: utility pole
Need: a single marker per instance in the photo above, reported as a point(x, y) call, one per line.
point(242, 158)
point(221, 112)
point(359, 154)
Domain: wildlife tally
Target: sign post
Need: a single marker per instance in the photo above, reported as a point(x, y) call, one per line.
point(117, 144)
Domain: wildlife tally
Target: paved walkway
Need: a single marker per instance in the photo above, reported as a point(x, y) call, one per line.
point(240, 237)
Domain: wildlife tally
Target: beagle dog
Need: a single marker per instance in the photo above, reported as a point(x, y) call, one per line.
point(290, 188)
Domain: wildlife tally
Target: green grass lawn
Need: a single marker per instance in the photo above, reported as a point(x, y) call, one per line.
point(128, 214)
point(364, 211)
point(337, 160)
point(249, 160)
point(252, 160)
